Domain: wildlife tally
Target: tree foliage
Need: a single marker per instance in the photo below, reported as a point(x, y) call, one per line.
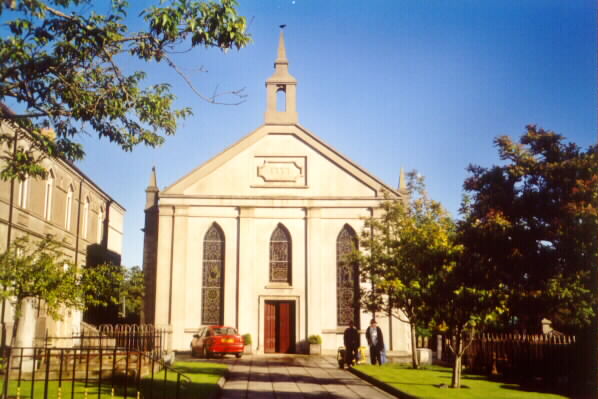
point(41, 271)
point(404, 250)
point(61, 62)
point(533, 223)
point(132, 293)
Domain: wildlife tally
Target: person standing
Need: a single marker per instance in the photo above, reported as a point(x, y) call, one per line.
point(351, 340)
point(375, 341)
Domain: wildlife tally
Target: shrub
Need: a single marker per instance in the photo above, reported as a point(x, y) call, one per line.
point(314, 339)
point(247, 339)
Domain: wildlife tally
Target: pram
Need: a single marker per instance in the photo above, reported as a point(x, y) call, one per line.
point(342, 352)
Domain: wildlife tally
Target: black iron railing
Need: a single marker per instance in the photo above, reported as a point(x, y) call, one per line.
point(127, 362)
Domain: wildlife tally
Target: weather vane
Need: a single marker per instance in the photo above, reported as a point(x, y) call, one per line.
point(282, 26)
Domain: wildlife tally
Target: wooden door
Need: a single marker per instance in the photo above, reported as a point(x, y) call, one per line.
point(279, 328)
point(285, 327)
point(270, 327)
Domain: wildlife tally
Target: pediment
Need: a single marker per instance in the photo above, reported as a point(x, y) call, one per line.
point(282, 161)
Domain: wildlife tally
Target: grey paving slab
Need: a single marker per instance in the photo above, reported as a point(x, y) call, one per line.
point(294, 377)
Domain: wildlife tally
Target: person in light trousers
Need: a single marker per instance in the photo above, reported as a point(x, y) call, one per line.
point(375, 341)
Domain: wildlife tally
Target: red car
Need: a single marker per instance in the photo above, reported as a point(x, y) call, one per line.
point(213, 340)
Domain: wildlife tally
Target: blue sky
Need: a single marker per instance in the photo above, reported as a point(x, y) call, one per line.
point(422, 84)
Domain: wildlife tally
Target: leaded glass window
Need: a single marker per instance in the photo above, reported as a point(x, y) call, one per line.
point(280, 255)
point(347, 278)
point(213, 277)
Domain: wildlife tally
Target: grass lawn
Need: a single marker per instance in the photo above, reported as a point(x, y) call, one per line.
point(424, 383)
point(204, 378)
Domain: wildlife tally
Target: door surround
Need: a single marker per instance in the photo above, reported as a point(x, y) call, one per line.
point(295, 299)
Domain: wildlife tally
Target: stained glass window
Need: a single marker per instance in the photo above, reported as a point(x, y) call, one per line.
point(280, 255)
point(213, 276)
point(347, 278)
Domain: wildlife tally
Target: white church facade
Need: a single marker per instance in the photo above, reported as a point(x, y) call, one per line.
point(257, 238)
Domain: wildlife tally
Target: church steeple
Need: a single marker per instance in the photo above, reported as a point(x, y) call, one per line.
point(281, 81)
point(402, 188)
point(152, 191)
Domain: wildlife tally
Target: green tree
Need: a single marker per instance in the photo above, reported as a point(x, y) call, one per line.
point(533, 223)
point(403, 251)
point(42, 272)
point(465, 300)
point(132, 293)
point(61, 63)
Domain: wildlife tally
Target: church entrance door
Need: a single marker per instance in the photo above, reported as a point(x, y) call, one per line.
point(279, 329)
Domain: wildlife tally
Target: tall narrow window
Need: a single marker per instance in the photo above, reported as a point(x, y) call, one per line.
point(68, 208)
point(280, 255)
point(347, 278)
point(48, 197)
point(23, 193)
point(100, 225)
point(85, 215)
point(212, 308)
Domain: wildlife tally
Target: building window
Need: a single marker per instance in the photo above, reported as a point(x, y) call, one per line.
point(280, 255)
point(100, 225)
point(48, 197)
point(68, 208)
point(23, 193)
point(347, 278)
point(213, 277)
point(85, 223)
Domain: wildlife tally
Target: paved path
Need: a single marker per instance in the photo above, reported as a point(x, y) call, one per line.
point(294, 377)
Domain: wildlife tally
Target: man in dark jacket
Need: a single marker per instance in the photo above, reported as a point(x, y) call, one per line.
point(351, 340)
point(375, 341)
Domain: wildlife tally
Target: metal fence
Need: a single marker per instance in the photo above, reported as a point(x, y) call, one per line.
point(114, 360)
point(522, 357)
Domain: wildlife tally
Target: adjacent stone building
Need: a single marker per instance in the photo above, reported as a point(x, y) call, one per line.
point(69, 206)
point(257, 237)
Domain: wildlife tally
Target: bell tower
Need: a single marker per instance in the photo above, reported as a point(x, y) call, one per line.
point(281, 86)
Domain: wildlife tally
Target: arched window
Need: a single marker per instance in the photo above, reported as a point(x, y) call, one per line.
point(68, 208)
point(280, 255)
point(100, 224)
point(85, 223)
point(212, 304)
point(23, 193)
point(347, 278)
point(48, 197)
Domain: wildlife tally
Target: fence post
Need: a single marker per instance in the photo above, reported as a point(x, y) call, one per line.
point(6, 374)
point(47, 376)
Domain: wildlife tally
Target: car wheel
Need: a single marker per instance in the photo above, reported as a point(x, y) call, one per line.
point(238, 355)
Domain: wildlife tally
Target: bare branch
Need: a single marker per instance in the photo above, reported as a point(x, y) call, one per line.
point(212, 99)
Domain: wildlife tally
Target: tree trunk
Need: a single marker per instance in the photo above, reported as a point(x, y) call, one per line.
point(414, 359)
point(456, 378)
point(16, 319)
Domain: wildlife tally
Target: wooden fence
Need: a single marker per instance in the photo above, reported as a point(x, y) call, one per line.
point(524, 357)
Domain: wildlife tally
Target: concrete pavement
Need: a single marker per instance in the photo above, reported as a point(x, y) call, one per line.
point(294, 377)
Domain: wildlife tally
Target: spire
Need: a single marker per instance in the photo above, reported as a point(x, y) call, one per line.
point(153, 181)
point(402, 182)
point(152, 191)
point(282, 52)
point(281, 81)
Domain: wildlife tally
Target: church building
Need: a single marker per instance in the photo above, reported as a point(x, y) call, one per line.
point(257, 238)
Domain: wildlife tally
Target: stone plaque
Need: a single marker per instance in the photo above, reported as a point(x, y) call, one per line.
point(280, 171)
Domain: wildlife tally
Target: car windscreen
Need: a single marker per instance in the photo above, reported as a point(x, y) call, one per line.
point(224, 331)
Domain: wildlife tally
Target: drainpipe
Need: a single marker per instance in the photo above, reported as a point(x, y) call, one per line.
point(8, 237)
point(78, 224)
